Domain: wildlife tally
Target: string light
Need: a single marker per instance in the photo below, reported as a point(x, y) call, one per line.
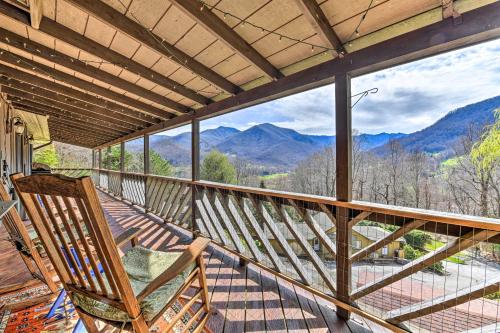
point(363, 17)
point(281, 36)
point(225, 15)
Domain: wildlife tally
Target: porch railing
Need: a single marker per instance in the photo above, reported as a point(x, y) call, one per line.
point(73, 172)
point(404, 268)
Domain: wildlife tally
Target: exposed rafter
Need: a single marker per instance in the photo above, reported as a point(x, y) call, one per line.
point(479, 25)
point(73, 140)
point(63, 113)
point(59, 115)
point(63, 126)
point(36, 12)
point(58, 98)
point(73, 38)
point(449, 9)
point(52, 103)
point(56, 126)
point(33, 66)
point(225, 34)
point(38, 81)
point(320, 24)
point(134, 30)
point(49, 54)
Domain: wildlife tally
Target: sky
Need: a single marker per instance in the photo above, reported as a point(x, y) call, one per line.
point(410, 97)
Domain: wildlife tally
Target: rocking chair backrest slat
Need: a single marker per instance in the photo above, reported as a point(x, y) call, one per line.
point(95, 237)
point(80, 241)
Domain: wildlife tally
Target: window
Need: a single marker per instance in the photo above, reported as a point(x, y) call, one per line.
point(356, 244)
point(385, 251)
point(316, 245)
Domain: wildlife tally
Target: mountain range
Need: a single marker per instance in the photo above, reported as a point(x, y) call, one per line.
point(282, 148)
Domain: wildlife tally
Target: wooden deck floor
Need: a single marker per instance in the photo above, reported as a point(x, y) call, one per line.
point(247, 299)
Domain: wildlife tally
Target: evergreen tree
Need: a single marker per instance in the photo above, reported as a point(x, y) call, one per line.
point(158, 165)
point(217, 168)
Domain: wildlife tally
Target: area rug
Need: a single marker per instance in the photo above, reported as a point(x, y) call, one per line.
point(32, 319)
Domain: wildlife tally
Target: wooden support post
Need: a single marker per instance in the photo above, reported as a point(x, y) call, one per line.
point(146, 171)
point(36, 13)
point(93, 158)
point(343, 186)
point(106, 156)
point(195, 170)
point(99, 166)
point(122, 166)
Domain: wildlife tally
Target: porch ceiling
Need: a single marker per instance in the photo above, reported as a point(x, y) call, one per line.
point(112, 69)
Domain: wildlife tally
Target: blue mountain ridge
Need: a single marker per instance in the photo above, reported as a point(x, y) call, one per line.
point(270, 145)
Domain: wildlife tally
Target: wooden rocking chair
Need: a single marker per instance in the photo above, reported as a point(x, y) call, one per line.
point(23, 242)
point(131, 292)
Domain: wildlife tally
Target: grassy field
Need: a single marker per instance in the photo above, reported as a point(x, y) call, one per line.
point(435, 244)
point(273, 176)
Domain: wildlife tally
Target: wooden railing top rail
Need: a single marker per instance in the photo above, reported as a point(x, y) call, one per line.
point(76, 169)
point(412, 213)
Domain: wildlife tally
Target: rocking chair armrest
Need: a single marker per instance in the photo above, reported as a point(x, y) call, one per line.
point(128, 235)
point(187, 258)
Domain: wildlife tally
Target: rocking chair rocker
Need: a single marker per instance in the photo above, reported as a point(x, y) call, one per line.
point(131, 292)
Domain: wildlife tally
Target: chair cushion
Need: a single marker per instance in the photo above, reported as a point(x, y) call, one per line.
point(142, 266)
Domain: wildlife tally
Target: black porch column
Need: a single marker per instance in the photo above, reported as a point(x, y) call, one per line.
point(344, 185)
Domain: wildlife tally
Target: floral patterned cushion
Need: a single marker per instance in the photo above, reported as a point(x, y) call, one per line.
point(142, 266)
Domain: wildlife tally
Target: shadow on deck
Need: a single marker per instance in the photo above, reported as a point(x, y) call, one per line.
point(246, 298)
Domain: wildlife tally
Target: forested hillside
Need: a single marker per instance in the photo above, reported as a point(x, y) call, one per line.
point(452, 165)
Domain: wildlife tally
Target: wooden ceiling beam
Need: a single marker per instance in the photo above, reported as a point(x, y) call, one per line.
point(58, 127)
point(228, 36)
point(79, 128)
point(73, 38)
point(73, 93)
point(51, 103)
point(87, 108)
point(51, 99)
point(106, 126)
point(317, 19)
point(36, 67)
point(77, 133)
point(72, 137)
point(36, 13)
point(72, 140)
point(479, 25)
point(57, 114)
point(62, 59)
point(69, 123)
point(129, 27)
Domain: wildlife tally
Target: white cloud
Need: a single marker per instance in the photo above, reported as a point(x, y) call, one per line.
point(410, 97)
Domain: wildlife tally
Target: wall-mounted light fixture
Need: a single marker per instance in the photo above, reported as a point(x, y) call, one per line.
point(18, 125)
